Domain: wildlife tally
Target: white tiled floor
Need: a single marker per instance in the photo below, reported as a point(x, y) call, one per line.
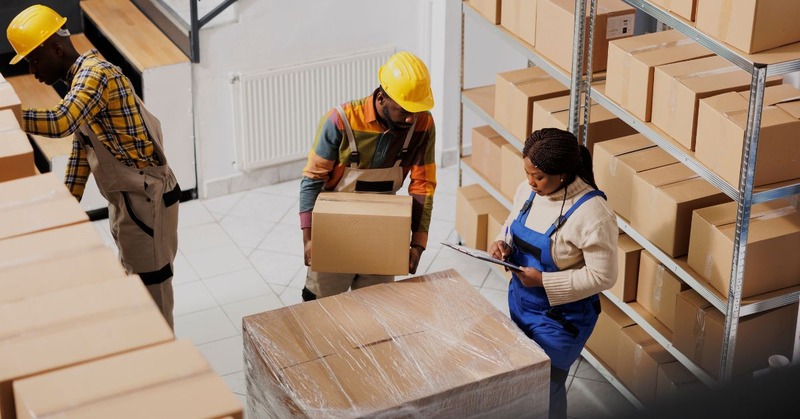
point(241, 254)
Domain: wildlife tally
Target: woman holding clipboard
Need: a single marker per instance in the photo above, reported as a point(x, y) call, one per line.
point(563, 235)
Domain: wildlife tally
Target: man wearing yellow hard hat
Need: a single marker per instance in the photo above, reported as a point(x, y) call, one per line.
point(371, 145)
point(115, 137)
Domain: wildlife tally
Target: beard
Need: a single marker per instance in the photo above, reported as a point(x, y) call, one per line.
point(396, 126)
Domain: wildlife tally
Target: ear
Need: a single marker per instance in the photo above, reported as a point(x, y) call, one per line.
point(58, 48)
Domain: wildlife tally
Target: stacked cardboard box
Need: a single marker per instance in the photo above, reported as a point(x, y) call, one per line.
point(640, 358)
point(425, 346)
point(750, 25)
point(9, 99)
point(682, 8)
point(16, 153)
point(486, 149)
point(628, 260)
point(473, 206)
point(519, 17)
point(515, 93)
point(512, 170)
point(604, 341)
point(490, 9)
point(675, 380)
point(657, 289)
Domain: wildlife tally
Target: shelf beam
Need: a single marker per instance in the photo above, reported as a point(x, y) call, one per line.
point(613, 380)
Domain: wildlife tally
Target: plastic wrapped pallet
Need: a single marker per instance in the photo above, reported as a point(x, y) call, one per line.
point(428, 346)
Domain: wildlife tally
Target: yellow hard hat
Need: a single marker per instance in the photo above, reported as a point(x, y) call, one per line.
point(31, 28)
point(404, 77)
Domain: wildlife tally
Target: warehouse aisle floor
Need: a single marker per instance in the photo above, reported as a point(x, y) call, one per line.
point(241, 254)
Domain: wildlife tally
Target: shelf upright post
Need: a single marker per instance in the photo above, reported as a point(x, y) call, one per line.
point(587, 86)
point(461, 99)
point(746, 180)
point(576, 86)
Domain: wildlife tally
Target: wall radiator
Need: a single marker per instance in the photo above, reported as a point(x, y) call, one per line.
point(276, 112)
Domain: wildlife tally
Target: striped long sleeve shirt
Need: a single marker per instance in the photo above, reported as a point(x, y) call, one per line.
point(377, 148)
point(102, 97)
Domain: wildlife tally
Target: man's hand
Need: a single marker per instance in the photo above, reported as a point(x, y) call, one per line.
point(413, 258)
point(307, 246)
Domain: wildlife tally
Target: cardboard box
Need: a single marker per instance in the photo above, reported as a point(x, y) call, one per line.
point(431, 345)
point(699, 331)
point(555, 23)
point(473, 206)
point(604, 341)
point(361, 233)
point(37, 203)
point(515, 93)
point(616, 162)
point(658, 288)
point(494, 224)
point(675, 380)
point(486, 144)
point(642, 356)
point(774, 227)
point(678, 87)
point(721, 126)
point(40, 247)
point(490, 9)
point(519, 17)
point(603, 125)
point(632, 62)
point(163, 380)
point(8, 120)
point(628, 253)
point(662, 204)
point(50, 331)
point(16, 153)
point(512, 171)
point(751, 26)
point(9, 100)
point(682, 8)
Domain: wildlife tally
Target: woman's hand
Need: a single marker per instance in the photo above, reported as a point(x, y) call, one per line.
point(530, 277)
point(500, 250)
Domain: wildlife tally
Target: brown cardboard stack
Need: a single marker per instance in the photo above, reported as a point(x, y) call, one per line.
point(657, 290)
point(678, 87)
point(682, 8)
point(617, 161)
point(663, 201)
point(515, 93)
point(519, 17)
point(750, 25)
point(361, 233)
point(721, 125)
point(473, 206)
point(640, 358)
point(9, 99)
point(699, 330)
point(604, 341)
point(426, 346)
point(774, 227)
point(512, 171)
point(555, 23)
point(494, 225)
point(16, 153)
point(628, 256)
point(131, 385)
point(603, 125)
point(37, 203)
point(632, 62)
point(486, 146)
point(490, 9)
point(674, 380)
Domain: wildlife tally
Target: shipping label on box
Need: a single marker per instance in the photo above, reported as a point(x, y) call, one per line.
point(361, 233)
point(751, 25)
point(632, 62)
point(773, 227)
point(721, 126)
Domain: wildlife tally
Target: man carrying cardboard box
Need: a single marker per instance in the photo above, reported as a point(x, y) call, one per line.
point(370, 145)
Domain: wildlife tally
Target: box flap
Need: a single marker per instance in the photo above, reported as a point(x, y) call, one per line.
point(44, 245)
point(667, 175)
point(528, 74)
point(13, 142)
point(722, 214)
point(624, 145)
point(627, 244)
point(363, 204)
point(694, 299)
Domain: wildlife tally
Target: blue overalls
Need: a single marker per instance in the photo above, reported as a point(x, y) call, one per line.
point(562, 330)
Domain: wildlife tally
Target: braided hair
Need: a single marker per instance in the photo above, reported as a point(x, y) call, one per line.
point(558, 152)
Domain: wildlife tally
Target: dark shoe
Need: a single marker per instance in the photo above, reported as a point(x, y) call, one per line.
point(308, 295)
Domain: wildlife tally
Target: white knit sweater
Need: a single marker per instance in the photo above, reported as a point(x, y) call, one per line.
point(584, 249)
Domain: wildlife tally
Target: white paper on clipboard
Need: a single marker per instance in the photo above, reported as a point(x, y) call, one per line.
point(480, 254)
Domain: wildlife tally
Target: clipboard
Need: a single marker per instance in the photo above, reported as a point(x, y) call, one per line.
point(480, 254)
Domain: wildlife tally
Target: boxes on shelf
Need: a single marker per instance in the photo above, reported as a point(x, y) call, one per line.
point(658, 288)
point(721, 125)
point(515, 93)
point(628, 255)
point(603, 125)
point(512, 172)
point(752, 25)
point(37, 203)
point(617, 161)
point(473, 206)
point(662, 203)
point(699, 331)
point(682, 8)
point(494, 224)
point(640, 358)
point(774, 226)
point(486, 145)
point(9, 100)
point(604, 341)
point(361, 233)
point(168, 379)
point(675, 380)
point(16, 153)
point(46, 332)
point(519, 17)
point(490, 9)
point(428, 345)
point(678, 87)
point(555, 22)
point(632, 62)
